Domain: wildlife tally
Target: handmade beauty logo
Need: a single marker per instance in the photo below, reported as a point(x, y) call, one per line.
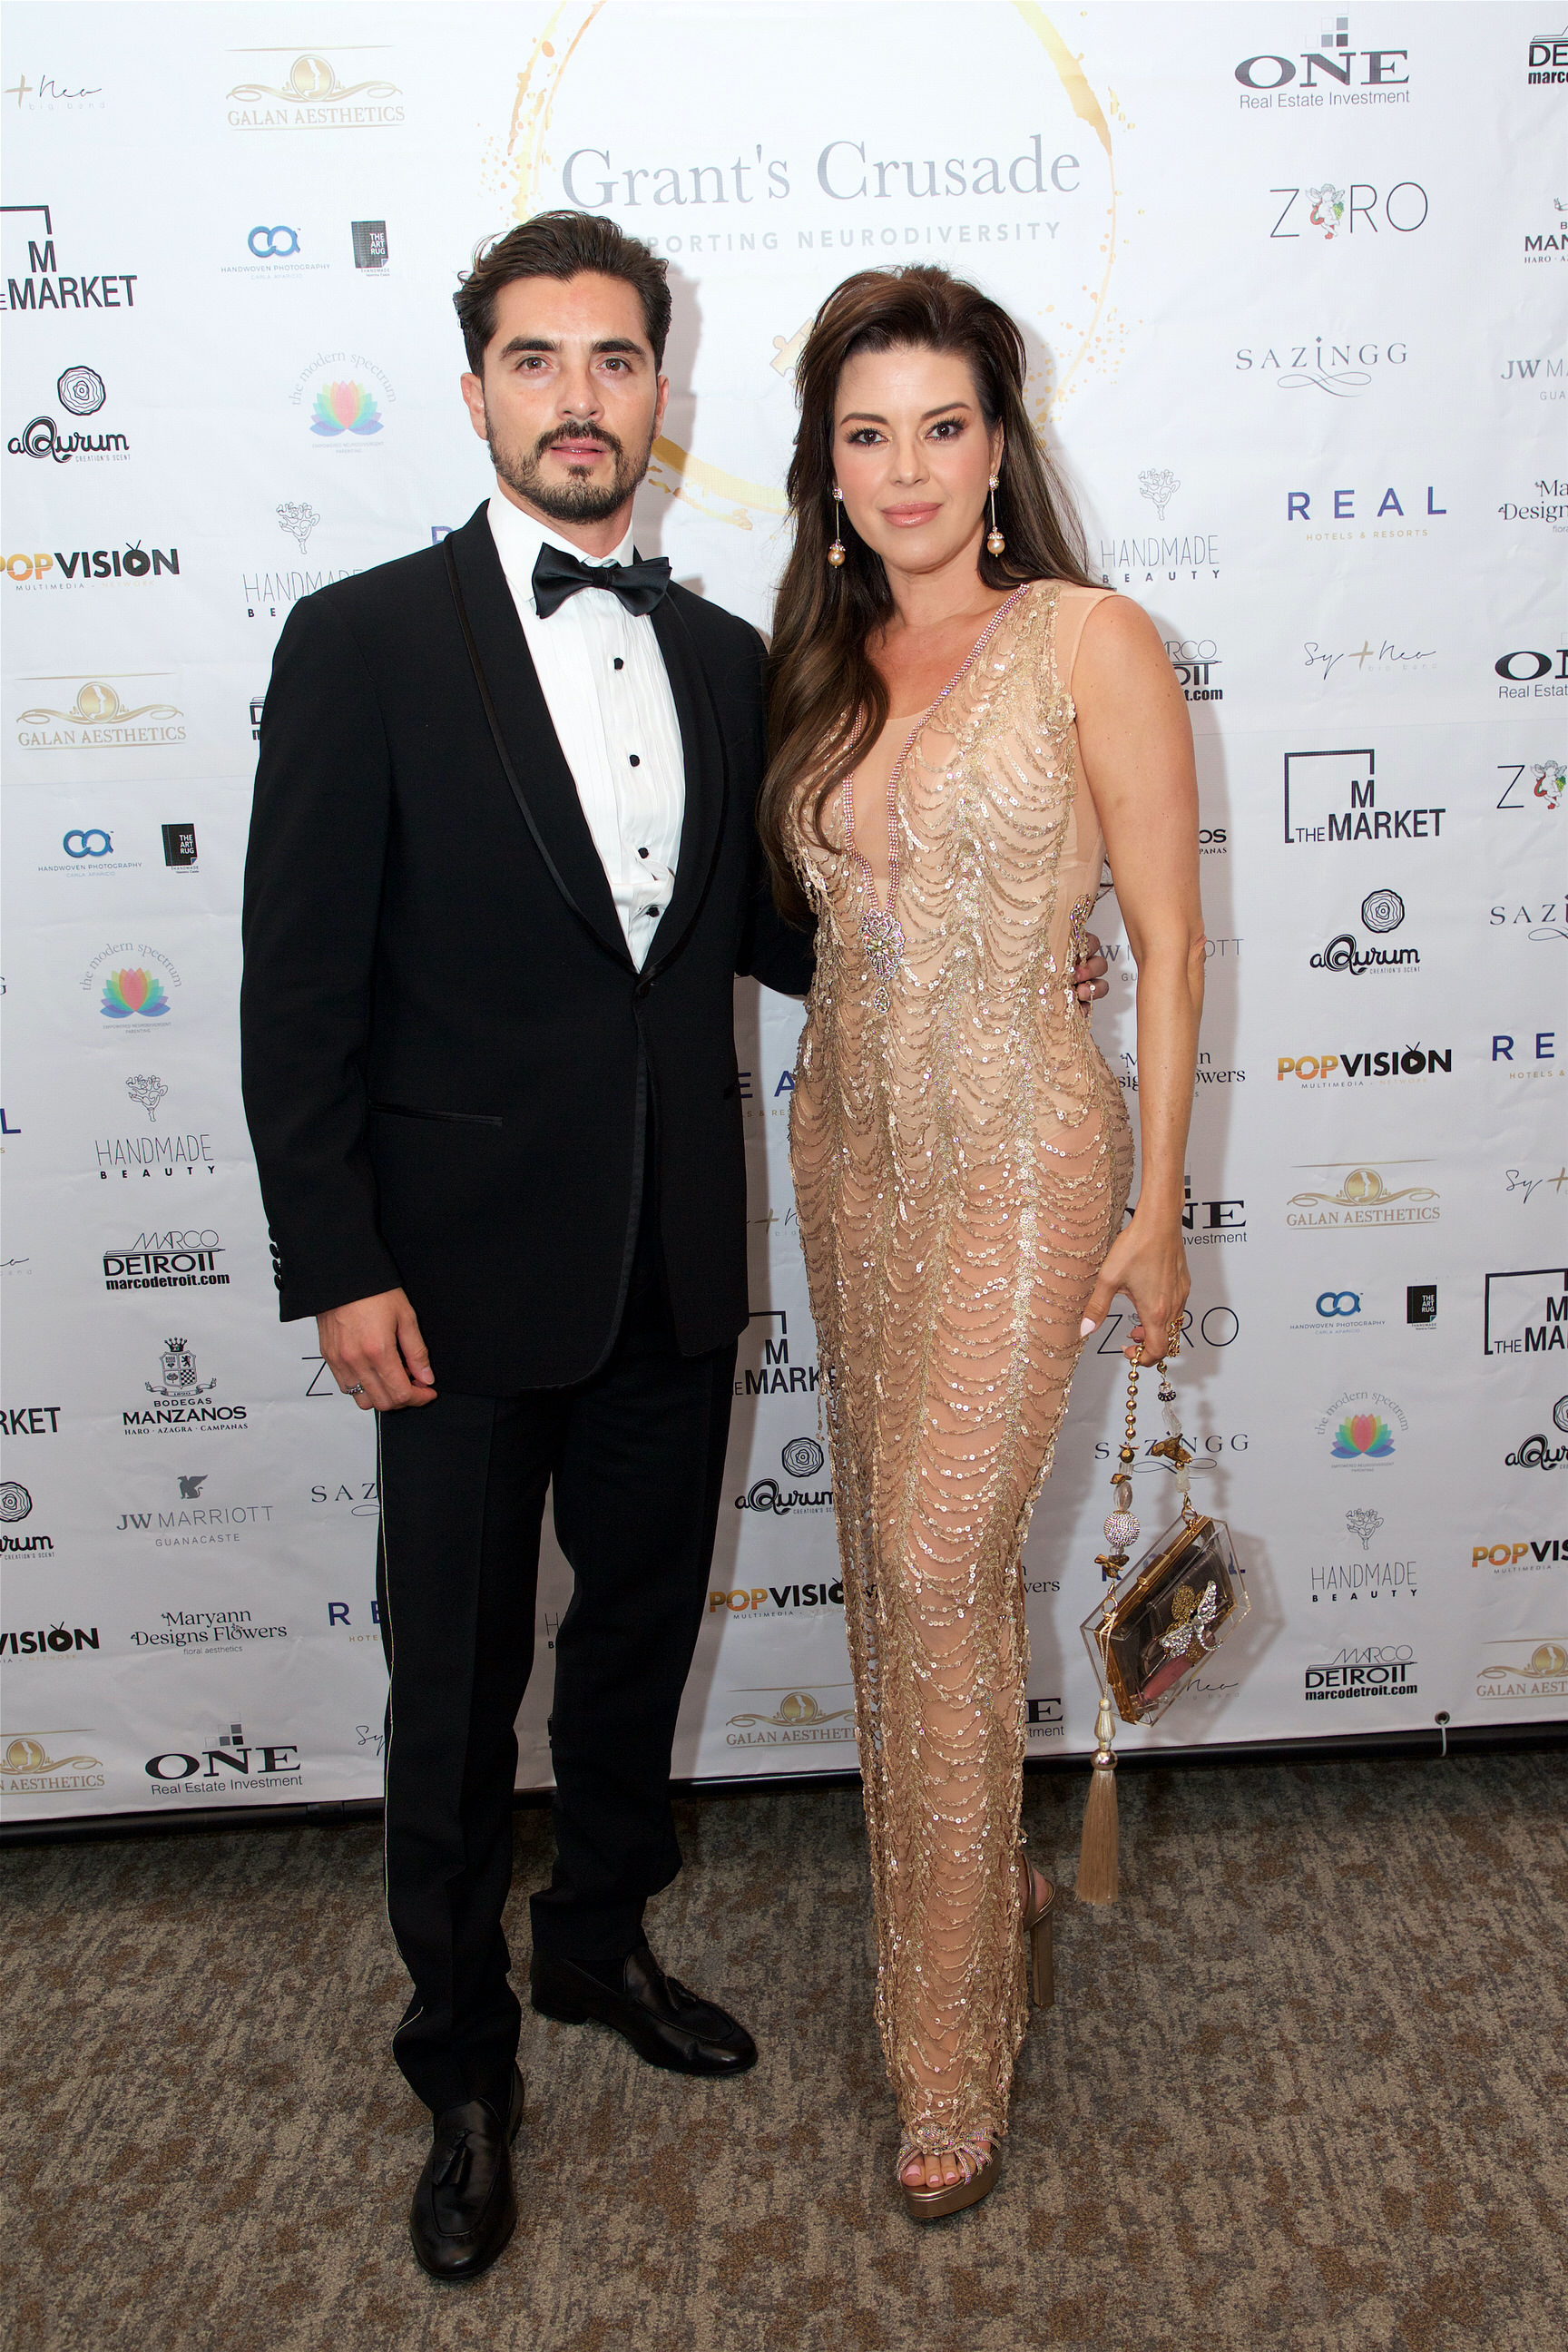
point(343, 408)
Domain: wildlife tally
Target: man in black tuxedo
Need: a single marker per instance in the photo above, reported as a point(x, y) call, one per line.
point(502, 872)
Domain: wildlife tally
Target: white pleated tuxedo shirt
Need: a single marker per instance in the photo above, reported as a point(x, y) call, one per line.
point(605, 685)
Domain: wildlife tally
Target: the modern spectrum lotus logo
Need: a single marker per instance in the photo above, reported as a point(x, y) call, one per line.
point(1363, 1436)
point(343, 408)
point(129, 992)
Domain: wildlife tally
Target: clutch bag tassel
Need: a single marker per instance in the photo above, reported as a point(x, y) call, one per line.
point(1097, 1859)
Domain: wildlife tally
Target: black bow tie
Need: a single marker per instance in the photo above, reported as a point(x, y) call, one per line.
point(557, 576)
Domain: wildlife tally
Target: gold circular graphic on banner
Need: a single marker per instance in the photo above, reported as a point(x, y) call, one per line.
point(680, 471)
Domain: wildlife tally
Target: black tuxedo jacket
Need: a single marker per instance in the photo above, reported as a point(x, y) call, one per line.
point(448, 1055)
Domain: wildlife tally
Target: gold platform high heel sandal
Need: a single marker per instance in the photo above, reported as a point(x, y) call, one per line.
point(980, 2169)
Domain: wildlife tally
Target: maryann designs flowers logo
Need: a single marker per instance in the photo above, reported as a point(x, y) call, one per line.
point(343, 408)
point(131, 993)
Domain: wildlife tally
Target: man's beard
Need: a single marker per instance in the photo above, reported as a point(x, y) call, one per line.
point(577, 500)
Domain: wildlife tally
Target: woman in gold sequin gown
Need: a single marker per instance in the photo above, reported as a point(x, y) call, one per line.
point(962, 1154)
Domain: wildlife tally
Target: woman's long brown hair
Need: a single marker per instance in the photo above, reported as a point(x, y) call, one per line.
point(825, 696)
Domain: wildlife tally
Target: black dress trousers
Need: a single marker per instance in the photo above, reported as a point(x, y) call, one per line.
point(637, 1456)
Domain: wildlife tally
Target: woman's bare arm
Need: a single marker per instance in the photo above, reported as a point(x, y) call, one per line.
point(1137, 749)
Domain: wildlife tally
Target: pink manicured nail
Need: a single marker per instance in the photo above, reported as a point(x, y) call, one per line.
point(1086, 1327)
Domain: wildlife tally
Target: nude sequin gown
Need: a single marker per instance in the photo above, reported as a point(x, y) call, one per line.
point(961, 1160)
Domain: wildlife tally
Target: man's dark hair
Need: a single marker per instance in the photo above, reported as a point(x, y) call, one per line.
point(560, 245)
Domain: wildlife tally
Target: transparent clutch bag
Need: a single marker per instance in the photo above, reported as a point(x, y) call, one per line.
point(1160, 1617)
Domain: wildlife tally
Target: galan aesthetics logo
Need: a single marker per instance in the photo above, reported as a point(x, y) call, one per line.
point(97, 716)
point(1364, 1197)
point(310, 94)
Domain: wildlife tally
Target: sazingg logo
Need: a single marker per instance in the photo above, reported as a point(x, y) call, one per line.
point(1332, 796)
point(1345, 370)
point(1363, 1198)
point(1373, 1673)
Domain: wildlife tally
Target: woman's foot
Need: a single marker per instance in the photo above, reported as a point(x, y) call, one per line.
point(952, 2180)
point(943, 2171)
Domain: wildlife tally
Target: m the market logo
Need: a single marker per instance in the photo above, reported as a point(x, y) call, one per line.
point(48, 1642)
point(1344, 371)
point(196, 1632)
point(177, 1259)
point(79, 565)
point(1526, 1313)
point(155, 1151)
point(135, 995)
point(99, 714)
point(311, 94)
point(775, 1375)
point(29, 1768)
point(16, 1505)
point(232, 1766)
point(1332, 796)
point(181, 1401)
point(1382, 912)
point(43, 286)
point(1325, 77)
point(1143, 556)
point(1374, 1672)
point(1328, 212)
point(1371, 1063)
point(81, 393)
point(1525, 1669)
point(1364, 1197)
point(798, 1720)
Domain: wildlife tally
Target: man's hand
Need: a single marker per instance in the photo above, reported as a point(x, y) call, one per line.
point(376, 1354)
point(1088, 974)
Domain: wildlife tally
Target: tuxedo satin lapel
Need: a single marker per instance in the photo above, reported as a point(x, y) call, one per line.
point(544, 783)
point(707, 779)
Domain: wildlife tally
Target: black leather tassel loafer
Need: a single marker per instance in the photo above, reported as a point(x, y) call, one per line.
point(663, 2021)
point(465, 2208)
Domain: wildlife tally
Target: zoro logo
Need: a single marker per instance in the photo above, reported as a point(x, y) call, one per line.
point(92, 842)
point(273, 244)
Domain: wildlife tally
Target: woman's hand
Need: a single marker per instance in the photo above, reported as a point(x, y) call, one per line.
point(1148, 1262)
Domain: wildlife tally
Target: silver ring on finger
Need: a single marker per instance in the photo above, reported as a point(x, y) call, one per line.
point(357, 1389)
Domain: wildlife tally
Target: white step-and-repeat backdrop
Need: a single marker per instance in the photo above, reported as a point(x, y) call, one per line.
point(1293, 287)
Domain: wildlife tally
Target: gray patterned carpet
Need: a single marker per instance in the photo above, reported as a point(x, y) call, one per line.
point(1306, 2086)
